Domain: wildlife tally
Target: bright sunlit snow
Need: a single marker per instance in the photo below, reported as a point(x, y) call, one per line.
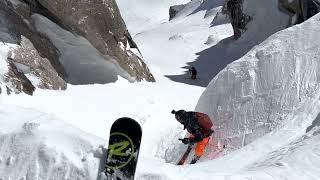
point(58, 134)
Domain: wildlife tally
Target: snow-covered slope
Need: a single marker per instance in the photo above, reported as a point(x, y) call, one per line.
point(35, 145)
point(94, 113)
point(141, 15)
point(255, 94)
point(170, 48)
point(47, 123)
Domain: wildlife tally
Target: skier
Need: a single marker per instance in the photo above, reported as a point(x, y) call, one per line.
point(199, 126)
point(193, 72)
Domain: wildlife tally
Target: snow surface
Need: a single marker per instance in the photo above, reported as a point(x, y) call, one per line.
point(49, 133)
point(253, 95)
point(171, 48)
point(32, 149)
point(141, 15)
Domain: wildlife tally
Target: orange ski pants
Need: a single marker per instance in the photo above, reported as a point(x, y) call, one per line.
point(201, 146)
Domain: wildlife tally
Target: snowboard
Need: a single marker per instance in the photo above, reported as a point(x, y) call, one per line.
point(123, 149)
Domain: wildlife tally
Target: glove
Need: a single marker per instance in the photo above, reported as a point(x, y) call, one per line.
point(186, 141)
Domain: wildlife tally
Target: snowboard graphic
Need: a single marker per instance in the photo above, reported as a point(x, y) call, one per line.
point(123, 149)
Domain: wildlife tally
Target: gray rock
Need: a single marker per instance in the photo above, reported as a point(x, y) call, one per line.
point(239, 20)
point(28, 64)
point(27, 56)
point(100, 22)
point(299, 10)
point(173, 10)
point(19, 24)
point(302, 9)
point(19, 82)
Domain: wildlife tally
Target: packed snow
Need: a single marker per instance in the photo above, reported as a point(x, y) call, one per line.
point(60, 134)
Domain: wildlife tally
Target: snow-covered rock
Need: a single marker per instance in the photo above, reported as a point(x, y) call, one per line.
point(22, 67)
point(263, 18)
point(255, 20)
point(299, 10)
point(253, 95)
point(101, 24)
point(16, 15)
point(195, 6)
point(37, 69)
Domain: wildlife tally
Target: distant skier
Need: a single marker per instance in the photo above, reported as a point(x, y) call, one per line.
point(193, 72)
point(199, 126)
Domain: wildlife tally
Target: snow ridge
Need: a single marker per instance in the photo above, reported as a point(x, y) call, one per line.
point(254, 95)
point(44, 148)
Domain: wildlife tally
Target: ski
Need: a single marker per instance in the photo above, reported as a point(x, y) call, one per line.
point(185, 155)
point(123, 149)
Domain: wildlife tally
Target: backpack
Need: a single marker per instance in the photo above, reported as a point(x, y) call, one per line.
point(205, 122)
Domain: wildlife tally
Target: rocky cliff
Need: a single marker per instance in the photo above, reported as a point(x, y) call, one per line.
point(101, 24)
point(241, 12)
point(31, 58)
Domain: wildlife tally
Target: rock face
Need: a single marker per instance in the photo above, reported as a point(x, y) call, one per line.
point(299, 10)
point(239, 19)
point(28, 61)
point(242, 12)
point(254, 94)
point(36, 61)
point(101, 24)
point(20, 83)
point(173, 10)
point(25, 54)
point(19, 23)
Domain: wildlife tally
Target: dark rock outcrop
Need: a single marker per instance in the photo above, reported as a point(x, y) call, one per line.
point(173, 10)
point(302, 9)
point(19, 82)
point(298, 10)
point(239, 20)
point(28, 61)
